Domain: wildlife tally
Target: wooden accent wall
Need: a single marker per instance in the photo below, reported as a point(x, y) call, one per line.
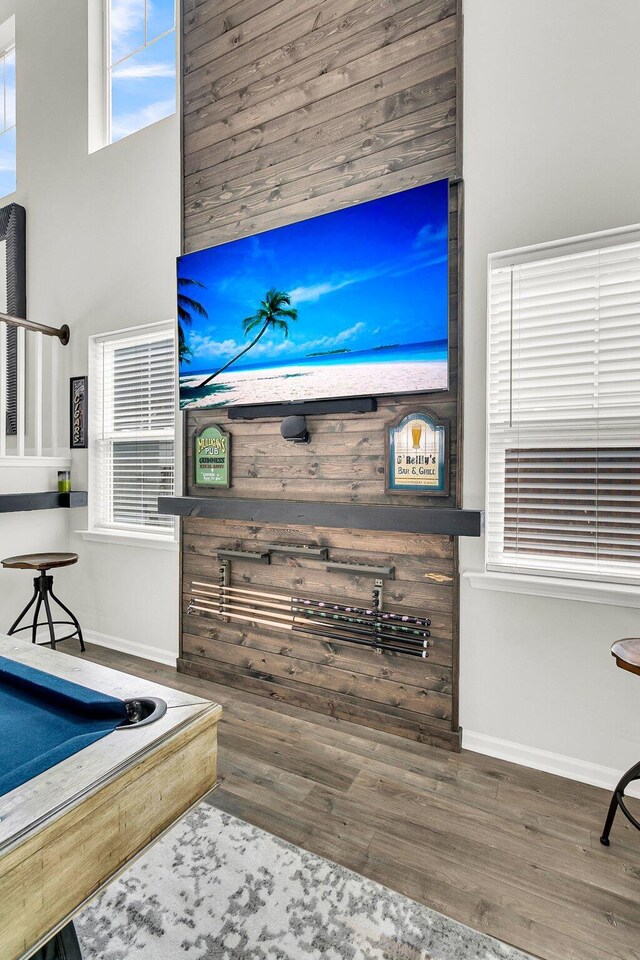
point(294, 108)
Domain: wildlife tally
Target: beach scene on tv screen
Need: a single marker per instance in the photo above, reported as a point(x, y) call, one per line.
point(349, 304)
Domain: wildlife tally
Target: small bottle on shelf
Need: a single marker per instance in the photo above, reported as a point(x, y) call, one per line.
point(64, 481)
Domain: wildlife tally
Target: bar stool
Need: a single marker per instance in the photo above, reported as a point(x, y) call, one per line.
point(42, 590)
point(627, 655)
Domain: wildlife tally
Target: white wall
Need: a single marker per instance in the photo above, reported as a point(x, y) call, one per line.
point(103, 231)
point(551, 150)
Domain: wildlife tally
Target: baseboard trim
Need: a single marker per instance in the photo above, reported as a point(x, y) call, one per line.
point(144, 650)
point(557, 763)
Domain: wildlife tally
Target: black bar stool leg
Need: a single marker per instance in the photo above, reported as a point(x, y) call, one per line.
point(617, 800)
point(47, 607)
point(73, 619)
point(24, 612)
point(34, 626)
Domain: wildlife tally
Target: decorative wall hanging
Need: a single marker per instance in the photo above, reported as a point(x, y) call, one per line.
point(212, 457)
point(417, 455)
point(78, 413)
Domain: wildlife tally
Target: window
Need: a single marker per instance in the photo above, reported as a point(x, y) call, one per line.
point(7, 110)
point(563, 464)
point(132, 447)
point(141, 64)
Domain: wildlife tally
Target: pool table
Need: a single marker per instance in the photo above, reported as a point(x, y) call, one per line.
point(95, 765)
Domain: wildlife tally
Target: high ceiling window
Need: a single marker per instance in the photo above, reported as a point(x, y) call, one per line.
point(141, 64)
point(8, 120)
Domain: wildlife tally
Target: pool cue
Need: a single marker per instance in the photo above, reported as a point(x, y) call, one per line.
point(385, 615)
point(378, 641)
point(327, 637)
point(297, 628)
point(398, 618)
point(373, 624)
point(234, 606)
point(363, 611)
point(311, 611)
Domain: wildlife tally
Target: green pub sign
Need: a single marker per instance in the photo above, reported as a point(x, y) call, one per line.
point(212, 457)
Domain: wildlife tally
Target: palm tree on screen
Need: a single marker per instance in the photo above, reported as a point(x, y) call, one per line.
point(187, 309)
point(275, 312)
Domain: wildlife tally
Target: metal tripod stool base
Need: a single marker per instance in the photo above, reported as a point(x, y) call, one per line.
point(42, 591)
point(617, 800)
point(627, 656)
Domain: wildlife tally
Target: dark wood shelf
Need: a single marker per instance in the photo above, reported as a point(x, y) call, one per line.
point(447, 521)
point(50, 500)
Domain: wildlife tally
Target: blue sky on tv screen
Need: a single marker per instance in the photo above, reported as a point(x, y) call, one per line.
point(369, 276)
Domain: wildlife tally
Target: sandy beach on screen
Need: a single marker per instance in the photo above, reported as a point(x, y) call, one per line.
point(293, 383)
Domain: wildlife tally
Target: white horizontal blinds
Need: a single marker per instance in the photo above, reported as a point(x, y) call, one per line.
point(134, 429)
point(563, 482)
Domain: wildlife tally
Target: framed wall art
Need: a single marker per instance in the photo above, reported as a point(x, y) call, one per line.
point(417, 455)
point(78, 413)
point(212, 457)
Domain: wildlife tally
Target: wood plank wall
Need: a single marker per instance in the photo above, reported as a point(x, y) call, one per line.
point(293, 108)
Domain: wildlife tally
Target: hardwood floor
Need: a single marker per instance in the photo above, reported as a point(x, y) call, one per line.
point(505, 849)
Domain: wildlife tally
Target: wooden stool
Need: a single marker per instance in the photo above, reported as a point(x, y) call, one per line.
point(627, 656)
point(42, 590)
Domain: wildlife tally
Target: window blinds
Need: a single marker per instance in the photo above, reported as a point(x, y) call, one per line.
point(563, 462)
point(133, 423)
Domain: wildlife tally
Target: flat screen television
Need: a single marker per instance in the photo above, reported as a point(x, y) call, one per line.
point(353, 303)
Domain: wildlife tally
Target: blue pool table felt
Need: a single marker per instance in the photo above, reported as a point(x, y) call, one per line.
point(45, 719)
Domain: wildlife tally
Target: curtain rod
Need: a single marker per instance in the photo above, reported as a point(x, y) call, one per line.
point(62, 333)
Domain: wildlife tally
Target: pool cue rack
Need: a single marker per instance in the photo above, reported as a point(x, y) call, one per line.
point(312, 552)
point(263, 556)
point(364, 626)
point(362, 569)
point(299, 549)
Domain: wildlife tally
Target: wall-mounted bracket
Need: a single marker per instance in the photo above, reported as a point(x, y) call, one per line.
point(362, 569)
point(254, 555)
point(298, 550)
point(224, 578)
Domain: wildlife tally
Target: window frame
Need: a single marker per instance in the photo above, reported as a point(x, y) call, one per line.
point(108, 66)
point(124, 533)
point(544, 580)
point(8, 45)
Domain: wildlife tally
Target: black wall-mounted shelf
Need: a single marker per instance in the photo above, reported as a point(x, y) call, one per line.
point(446, 521)
point(50, 500)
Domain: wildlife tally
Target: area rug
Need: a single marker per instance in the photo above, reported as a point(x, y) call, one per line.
point(216, 888)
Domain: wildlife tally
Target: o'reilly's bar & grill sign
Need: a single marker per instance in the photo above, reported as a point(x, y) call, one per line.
point(418, 455)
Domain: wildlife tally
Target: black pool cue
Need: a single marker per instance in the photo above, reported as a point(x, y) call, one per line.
point(367, 630)
point(398, 618)
point(299, 628)
point(373, 624)
point(363, 611)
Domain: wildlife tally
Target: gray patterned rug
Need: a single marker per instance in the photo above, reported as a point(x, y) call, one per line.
point(216, 888)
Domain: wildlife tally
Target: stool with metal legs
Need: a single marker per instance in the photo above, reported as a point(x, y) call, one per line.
point(627, 655)
point(42, 593)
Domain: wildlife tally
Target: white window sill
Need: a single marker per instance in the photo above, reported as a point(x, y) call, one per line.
point(615, 594)
point(62, 463)
point(127, 539)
